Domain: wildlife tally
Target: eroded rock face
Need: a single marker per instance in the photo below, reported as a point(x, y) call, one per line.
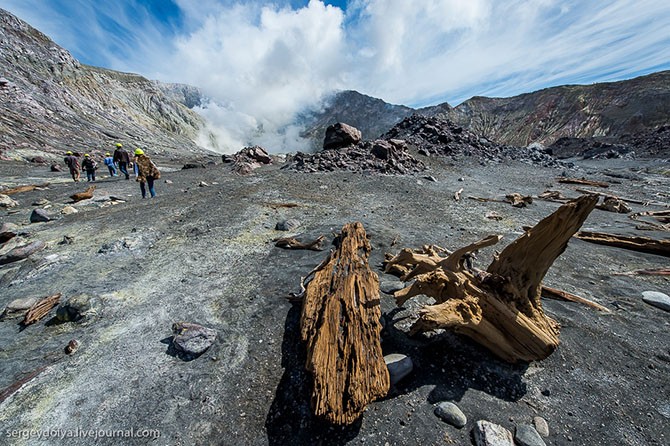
point(341, 135)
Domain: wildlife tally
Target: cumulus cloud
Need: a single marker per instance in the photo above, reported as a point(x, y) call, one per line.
point(262, 62)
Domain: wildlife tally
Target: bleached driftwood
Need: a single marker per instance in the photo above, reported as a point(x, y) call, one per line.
point(499, 308)
point(340, 323)
point(41, 309)
point(641, 244)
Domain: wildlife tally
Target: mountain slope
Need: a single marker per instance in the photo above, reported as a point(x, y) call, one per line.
point(611, 109)
point(49, 102)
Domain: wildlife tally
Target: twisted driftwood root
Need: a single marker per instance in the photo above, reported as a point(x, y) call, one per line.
point(499, 308)
point(340, 324)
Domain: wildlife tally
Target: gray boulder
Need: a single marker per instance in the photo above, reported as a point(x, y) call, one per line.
point(657, 299)
point(287, 225)
point(76, 308)
point(7, 202)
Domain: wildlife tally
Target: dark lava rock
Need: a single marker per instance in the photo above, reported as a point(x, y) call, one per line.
point(191, 340)
point(388, 157)
point(438, 136)
point(193, 166)
point(39, 216)
point(341, 135)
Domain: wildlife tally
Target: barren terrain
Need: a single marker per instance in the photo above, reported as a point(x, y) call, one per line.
point(203, 253)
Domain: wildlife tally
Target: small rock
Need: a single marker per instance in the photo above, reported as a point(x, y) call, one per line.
point(192, 339)
point(541, 426)
point(67, 210)
point(399, 366)
point(67, 240)
point(76, 308)
point(657, 299)
point(39, 216)
point(431, 178)
point(168, 182)
point(489, 434)
point(41, 202)
point(451, 413)
point(203, 184)
point(56, 168)
point(287, 225)
point(72, 347)
point(7, 202)
point(526, 435)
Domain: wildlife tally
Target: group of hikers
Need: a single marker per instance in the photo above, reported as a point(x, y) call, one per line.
point(145, 170)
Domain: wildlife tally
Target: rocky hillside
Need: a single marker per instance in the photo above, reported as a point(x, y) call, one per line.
point(49, 102)
point(615, 109)
point(370, 115)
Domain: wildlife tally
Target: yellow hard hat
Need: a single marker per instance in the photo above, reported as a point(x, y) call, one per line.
point(139, 151)
point(69, 152)
point(118, 144)
point(107, 154)
point(85, 154)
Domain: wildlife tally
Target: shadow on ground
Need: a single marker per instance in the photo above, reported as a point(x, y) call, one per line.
point(448, 362)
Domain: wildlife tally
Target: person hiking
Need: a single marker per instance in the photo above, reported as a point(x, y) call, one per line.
point(89, 166)
point(73, 164)
point(109, 162)
point(122, 158)
point(147, 172)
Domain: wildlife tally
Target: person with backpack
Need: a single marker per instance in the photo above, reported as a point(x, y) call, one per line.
point(147, 172)
point(122, 158)
point(109, 162)
point(89, 166)
point(72, 163)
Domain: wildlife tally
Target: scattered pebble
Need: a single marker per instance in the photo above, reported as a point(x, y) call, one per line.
point(451, 413)
point(489, 434)
point(526, 435)
point(67, 210)
point(41, 202)
point(541, 426)
point(399, 366)
point(203, 184)
point(72, 347)
point(657, 299)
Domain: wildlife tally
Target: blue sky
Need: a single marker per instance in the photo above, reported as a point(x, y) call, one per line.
point(265, 60)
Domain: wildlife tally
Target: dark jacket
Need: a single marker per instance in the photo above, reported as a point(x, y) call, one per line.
point(88, 164)
point(121, 156)
point(72, 162)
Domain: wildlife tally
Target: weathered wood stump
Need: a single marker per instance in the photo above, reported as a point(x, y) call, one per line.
point(499, 308)
point(340, 323)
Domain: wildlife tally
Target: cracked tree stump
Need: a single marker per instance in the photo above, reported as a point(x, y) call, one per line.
point(340, 323)
point(499, 308)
